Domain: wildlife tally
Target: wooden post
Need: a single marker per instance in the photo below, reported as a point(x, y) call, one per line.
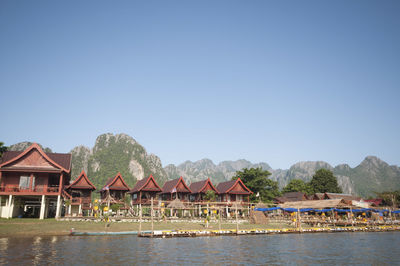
point(140, 219)
point(298, 219)
point(333, 219)
point(237, 222)
point(152, 221)
point(351, 217)
point(219, 214)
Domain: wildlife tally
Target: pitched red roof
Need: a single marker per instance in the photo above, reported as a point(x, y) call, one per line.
point(59, 160)
point(110, 184)
point(227, 187)
point(82, 182)
point(374, 202)
point(199, 186)
point(169, 186)
point(141, 185)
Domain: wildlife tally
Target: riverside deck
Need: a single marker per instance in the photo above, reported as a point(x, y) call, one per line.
point(233, 232)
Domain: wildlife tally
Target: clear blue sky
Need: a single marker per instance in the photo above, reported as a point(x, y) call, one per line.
point(273, 81)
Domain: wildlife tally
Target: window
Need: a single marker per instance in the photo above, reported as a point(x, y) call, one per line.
point(24, 182)
point(192, 198)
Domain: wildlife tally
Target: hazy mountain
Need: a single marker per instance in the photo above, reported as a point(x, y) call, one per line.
point(372, 175)
point(20, 146)
point(205, 168)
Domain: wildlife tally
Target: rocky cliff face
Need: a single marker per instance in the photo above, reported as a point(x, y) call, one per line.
point(205, 168)
point(116, 153)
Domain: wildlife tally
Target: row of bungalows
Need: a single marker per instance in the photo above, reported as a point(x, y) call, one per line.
point(230, 191)
point(34, 183)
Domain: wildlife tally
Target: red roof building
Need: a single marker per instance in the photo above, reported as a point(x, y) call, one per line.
point(114, 190)
point(234, 190)
point(176, 188)
point(36, 177)
point(199, 190)
point(144, 190)
point(80, 194)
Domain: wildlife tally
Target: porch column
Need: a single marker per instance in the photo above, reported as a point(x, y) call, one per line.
point(80, 209)
point(10, 206)
point(69, 209)
point(42, 207)
point(61, 185)
point(46, 209)
point(58, 209)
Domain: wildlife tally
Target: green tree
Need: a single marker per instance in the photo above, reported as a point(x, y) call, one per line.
point(210, 195)
point(257, 181)
point(390, 198)
point(298, 185)
point(324, 181)
point(2, 148)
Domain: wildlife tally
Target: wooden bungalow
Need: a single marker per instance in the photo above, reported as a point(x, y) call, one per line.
point(291, 196)
point(144, 190)
point(114, 190)
point(234, 191)
point(80, 195)
point(32, 182)
point(199, 190)
point(175, 189)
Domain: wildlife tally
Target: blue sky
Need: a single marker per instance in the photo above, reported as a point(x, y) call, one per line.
point(272, 81)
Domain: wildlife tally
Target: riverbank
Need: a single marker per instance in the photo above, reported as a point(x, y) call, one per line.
point(51, 227)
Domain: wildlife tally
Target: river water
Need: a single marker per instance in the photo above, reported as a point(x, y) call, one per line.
point(290, 249)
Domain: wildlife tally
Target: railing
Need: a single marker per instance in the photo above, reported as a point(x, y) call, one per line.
point(144, 201)
point(39, 189)
point(80, 201)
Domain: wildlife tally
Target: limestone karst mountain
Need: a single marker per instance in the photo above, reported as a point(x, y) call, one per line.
point(121, 153)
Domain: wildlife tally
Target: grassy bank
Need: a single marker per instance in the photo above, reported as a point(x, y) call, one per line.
point(35, 227)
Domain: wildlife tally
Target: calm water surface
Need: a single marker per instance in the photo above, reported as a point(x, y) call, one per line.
point(293, 249)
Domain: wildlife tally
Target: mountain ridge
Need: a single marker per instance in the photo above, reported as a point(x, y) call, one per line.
point(122, 153)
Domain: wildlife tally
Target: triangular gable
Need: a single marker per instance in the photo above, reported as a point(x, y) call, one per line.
point(208, 186)
point(151, 184)
point(33, 157)
point(239, 186)
point(181, 186)
point(82, 182)
point(118, 183)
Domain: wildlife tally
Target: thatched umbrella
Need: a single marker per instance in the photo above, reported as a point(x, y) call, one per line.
point(176, 204)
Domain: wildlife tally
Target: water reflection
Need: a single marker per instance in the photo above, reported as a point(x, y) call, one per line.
point(340, 248)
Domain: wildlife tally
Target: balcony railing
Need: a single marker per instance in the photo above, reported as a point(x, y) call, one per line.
point(81, 201)
point(38, 189)
point(144, 201)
